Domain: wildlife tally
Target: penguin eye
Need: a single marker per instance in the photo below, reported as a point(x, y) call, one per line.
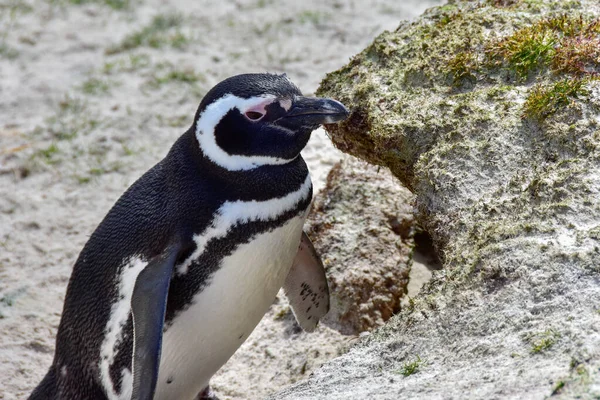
point(254, 115)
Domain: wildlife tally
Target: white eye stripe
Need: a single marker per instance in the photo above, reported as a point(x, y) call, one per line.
point(210, 118)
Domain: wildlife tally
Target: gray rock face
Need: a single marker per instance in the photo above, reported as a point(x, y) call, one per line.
point(489, 112)
point(361, 224)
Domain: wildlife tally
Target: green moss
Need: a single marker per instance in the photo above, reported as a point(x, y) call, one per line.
point(95, 86)
point(188, 76)
point(311, 16)
point(156, 34)
point(15, 7)
point(48, 155)
point(102, 169)
point(577, 56)
point(8, 52)
point(82, 179)
point(178, 40)
point(583, 373)
point(543, 341)
point(281, 314)
point(503, 3)
point(524, 51)
point(71, 105)
point(558, 387)
point(128, 151)
point(448, 7)
point(462, 67)
point(175, 121)
point(411, 367)
point(566, 43)
point(131, 63)
point(114, 4)
point(545, 99)
point(568, 25)
point(71, 119)
point(448, 17)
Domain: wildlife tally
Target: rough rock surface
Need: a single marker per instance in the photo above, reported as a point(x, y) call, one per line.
point(488, 111)
point(362, 225)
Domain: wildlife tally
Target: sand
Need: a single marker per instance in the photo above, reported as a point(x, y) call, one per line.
point(93, 94)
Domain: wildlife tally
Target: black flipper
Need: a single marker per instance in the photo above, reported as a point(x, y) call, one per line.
point(148, 306)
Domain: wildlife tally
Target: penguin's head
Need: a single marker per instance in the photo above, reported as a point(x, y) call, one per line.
point(252, 120)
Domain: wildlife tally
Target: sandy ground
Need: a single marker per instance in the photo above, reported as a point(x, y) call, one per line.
point(92, 94)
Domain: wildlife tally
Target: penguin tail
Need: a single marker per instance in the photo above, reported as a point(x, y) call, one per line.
point(46, 390)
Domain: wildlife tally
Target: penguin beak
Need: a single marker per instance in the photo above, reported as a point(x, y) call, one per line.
point(316, 111)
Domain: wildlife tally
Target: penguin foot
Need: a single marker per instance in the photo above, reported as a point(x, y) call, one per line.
point(207, 394)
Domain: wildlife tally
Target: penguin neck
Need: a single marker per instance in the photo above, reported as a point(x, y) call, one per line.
point(260, 183)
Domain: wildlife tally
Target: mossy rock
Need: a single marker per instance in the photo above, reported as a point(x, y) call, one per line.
point(459, 67)
point(488, 111)
point(465, 83)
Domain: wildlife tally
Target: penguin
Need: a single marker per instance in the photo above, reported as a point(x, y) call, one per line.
point(189, 259)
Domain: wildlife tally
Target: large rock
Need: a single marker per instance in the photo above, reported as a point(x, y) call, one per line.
point(362, 225)
point(488, 112)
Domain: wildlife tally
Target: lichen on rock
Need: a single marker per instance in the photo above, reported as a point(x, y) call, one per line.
point(488, 112)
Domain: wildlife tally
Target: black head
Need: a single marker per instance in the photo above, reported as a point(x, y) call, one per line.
point(259, 119)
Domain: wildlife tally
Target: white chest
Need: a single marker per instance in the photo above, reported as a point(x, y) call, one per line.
point(203, 337)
